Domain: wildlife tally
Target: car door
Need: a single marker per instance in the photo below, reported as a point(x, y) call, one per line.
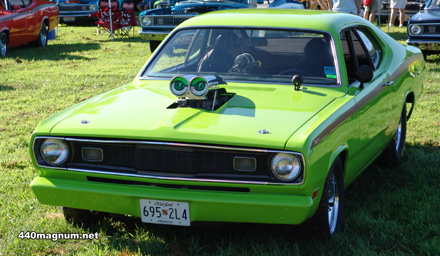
point(33, 25)
point(372, 99)
point(21, 15)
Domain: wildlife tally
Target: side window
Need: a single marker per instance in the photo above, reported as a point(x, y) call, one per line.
point(371, 45)
point(26, 2)
point(359, 49)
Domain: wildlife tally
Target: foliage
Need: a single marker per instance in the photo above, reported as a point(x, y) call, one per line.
point(388, 211)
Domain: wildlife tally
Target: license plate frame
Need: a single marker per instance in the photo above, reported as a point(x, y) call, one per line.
point(165, 212)
point(69, 19)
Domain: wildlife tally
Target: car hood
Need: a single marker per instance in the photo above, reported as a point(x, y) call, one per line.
point(426, 16)
point(194, 6)
point(142, 111)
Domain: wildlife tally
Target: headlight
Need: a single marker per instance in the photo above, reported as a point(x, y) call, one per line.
point(286, 167)
point(92, 8)
point(415, 29)
point(145, 21)
point(54, 151)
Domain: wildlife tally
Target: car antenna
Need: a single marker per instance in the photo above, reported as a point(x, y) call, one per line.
point(297, 80)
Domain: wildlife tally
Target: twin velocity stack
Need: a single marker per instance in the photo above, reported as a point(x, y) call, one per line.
point(194, 87)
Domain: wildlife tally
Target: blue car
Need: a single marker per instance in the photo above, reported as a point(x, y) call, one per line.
point(423, 28)
point(72, 10)
point(157, 23)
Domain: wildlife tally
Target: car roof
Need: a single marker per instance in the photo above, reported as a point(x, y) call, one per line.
point(281, 18)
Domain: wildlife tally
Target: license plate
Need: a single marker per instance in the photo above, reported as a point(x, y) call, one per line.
point(69, 19)
point(165, 212)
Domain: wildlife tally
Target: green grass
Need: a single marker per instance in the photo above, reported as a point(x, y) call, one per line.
point(388, 211)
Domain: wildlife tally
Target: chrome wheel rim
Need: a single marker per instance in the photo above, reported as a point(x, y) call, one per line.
point(333, 204)
point(43, 35)
point(3, 46)
point(398, 135)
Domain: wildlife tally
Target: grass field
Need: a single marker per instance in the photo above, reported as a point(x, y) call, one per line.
point(388, 211)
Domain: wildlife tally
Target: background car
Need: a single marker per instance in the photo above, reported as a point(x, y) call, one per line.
point(251, 115)
point(423, 29)
point(27, 21)
point(157, 23)
point(72, 10)
point(412, 7)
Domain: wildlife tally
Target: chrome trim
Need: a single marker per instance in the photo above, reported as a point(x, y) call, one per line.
point(301, 156)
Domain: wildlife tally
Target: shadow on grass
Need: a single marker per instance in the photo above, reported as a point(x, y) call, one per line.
point(6, 88)
point(129, 234)
point(378, 204)
point(52, 52)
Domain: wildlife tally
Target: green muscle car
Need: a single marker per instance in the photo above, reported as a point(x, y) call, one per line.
point(253, 115)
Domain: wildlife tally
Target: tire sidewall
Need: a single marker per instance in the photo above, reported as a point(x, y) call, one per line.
point(320, 221)
point(4, 40)
point(43, 35)
point(395, 155)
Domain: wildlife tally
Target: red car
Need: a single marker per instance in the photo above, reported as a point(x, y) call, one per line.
point(26, 21)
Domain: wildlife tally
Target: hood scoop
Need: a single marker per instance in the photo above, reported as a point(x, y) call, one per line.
point(200, 92)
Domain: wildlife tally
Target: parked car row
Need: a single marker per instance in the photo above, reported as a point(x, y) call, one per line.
point(26, 21)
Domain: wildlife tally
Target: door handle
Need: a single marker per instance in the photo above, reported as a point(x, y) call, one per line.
point(389, 83)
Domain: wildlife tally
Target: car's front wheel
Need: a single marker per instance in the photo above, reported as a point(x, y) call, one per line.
point(3, 44)
point(42, 36)
point(328, 218)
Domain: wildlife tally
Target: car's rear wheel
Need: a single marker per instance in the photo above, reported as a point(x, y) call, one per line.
point(3, 44)
point(394, 152)
point(328, 218)
point(42, 36)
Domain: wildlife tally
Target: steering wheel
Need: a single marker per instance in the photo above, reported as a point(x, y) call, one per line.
point(244, 63)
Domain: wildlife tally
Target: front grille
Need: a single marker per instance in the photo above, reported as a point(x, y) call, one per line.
point(164, 20)
point(170, 160)
point(431, 29)
point(74, 8)
point(167, 160)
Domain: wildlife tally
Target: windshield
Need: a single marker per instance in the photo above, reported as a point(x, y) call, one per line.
point(249, 55)
point(434, 4)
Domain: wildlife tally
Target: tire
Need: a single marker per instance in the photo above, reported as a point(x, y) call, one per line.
point(393, 154)
point(153, 45)
point(42, 36)
point(3, 44)
point(328, 219)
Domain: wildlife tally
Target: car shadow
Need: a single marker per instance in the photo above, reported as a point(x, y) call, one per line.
point(52, 52)
point(366, 194)
point(125, 232)
point(6, 88)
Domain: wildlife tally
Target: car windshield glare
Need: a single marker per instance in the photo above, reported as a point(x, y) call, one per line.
point(248, 55)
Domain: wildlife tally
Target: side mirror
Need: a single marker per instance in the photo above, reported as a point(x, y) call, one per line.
point(364, 74)
point(16, 7)
point(297, 80)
